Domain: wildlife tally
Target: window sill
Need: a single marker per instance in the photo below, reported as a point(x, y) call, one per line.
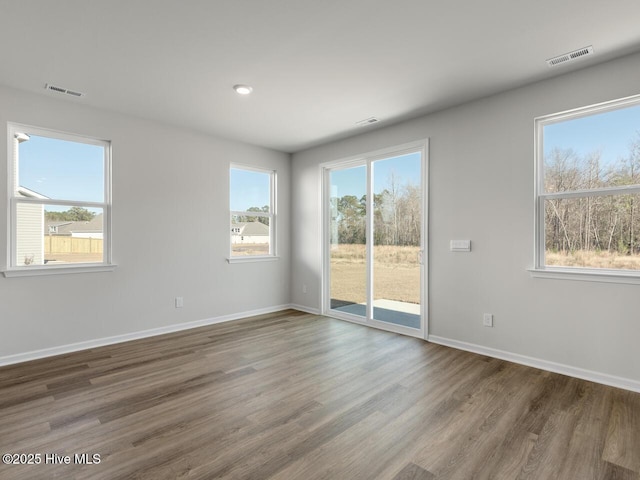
point(250, 259)
point(587, 275)
point(57, 270)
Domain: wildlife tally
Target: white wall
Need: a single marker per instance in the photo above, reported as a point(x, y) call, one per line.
point(170, 235)
point(481, 188)
point(170, 193)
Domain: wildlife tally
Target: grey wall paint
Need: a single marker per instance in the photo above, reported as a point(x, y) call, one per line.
point(171, 184)
point(170, 234)
point(481, 186)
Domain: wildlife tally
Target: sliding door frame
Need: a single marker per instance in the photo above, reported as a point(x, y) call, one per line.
point(367, 160)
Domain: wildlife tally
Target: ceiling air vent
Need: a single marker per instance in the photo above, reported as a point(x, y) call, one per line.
point(568, 57)
point(65, 91)
point(367, 121)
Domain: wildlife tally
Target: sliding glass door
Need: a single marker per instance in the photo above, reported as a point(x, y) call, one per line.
point(348, 239)
point(375, 210)
point(397, 239)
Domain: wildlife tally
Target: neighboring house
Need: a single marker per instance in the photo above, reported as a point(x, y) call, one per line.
point(83, 229)
point(249, 232)
point(29, 225)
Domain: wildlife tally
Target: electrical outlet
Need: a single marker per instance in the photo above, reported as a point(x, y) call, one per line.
point(179, 302)
point(304, 289)
point(487, 320)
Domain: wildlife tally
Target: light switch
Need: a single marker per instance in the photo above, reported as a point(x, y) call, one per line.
point(460, 245)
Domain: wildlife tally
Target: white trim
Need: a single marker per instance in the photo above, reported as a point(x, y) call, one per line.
point(252, 168)
point(589, 110)
point(324, 239)
point(58, 134)
point(107, 227)
point(305, 309)
point(273, 209)
point(394, 151)
point(538, 203)
point(587, 275)
point(377, 324)
point(36, 271)
point(253, 258)
point(605, 379)
point(593, 192)
point(424, 241)
point(65, 203)
point(127, 337)
point(597, 377)
point(369, 245)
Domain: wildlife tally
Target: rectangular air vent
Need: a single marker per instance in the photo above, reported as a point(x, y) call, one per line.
point(568, 57)
point(367, 121)
point(64, 91)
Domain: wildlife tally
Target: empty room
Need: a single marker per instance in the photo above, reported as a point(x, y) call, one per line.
point(290, 239)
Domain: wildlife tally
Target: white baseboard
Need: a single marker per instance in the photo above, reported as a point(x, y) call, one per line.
point(302, 308)
point(611, 380)
point(101, 342)
point(597, 377)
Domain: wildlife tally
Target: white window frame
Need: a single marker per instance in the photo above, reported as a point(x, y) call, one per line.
point(12, 269)
point(366, 160)
point(562, 272)
point(271, 215)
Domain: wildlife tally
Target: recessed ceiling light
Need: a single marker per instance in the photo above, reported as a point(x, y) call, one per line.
point(243, 89)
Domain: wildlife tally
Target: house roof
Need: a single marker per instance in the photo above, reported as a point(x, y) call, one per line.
point(27, 192)
point(252, 228)
point(95, 225)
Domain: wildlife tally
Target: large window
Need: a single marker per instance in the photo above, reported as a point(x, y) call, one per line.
point(253, 213)
point(59, 201)
point(588, 190)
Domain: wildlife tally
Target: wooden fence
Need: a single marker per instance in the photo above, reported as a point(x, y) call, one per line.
point(55, 244)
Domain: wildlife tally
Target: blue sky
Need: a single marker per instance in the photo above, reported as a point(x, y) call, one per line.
point(609, 132)
point(61, 169)
point(248, 189)
point(352, 181)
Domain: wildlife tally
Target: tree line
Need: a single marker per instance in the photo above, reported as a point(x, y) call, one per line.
point(74, 214)
point(396, 217)
point(253, 218)
point(592, 223)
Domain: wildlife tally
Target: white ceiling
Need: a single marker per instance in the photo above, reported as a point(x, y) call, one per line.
point(316, 66)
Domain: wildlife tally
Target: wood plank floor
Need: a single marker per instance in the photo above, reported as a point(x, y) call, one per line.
point(297, 396)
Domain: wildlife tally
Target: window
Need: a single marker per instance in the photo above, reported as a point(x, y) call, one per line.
point(588, 190)
point(253, 213)
point(59, 202)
